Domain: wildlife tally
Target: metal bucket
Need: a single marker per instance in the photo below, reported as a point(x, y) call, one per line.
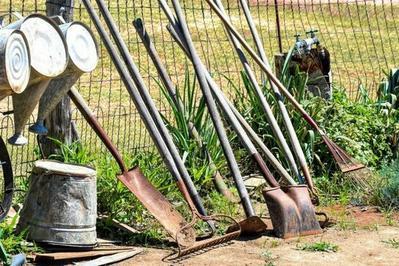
point(61, 206)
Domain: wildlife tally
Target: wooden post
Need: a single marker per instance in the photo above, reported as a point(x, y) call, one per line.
point(59, 121)
point(279, 60)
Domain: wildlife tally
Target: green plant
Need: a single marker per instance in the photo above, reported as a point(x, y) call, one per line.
point(13, 242)
point(188, 113)
point(268, 257)
point(318, 247)
point(392, 242)
point(360, 125)
point(72, 153)
point(386, 184)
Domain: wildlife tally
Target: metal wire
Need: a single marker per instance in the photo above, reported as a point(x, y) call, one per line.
point(361, 36)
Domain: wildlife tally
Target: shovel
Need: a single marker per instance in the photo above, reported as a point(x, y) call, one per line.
point(253, 224)
point(137, 183)
point(298, 213)
point(163, 148)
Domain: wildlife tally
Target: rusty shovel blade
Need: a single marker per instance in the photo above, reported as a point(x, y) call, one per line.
point(251, 226)
point(291, 211)
point(300, 195)
point(158, 206)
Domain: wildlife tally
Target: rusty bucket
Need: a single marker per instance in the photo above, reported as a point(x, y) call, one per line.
point(83, 54)
point(49, 58)
point(14, 62)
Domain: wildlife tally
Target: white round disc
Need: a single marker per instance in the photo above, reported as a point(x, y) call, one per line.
point(82, 48)
point(47, 49)
point(17, 62)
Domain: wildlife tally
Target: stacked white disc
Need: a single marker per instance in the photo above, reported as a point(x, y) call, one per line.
point(82, 48)
point(15, 68)
point(47, 47)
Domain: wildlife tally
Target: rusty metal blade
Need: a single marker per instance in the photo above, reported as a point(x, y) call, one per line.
point(291, 211)
point(250, 226)
point(157, 205)
point(308, 221)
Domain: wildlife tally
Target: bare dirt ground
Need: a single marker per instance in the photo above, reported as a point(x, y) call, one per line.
point(360, 233)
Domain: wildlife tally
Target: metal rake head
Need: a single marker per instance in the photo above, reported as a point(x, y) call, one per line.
point(208, 242)
point(345, 162)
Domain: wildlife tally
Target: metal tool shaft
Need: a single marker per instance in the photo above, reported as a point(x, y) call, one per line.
point(137, 99)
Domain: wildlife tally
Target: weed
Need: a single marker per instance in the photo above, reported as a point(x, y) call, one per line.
point(268, 257)
point(374, 227)
point(318, 247)
point(72, 153)
point(393, 242)
point(389, 217)
point(346, 224)
point(12, 242)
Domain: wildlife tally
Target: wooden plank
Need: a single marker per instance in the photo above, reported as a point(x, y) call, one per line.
point(80, 254)
point(110, 259)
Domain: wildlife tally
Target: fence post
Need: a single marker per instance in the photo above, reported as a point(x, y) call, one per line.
point(59, 121)
point(280, 45)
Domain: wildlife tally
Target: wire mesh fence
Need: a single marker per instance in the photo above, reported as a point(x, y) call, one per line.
point(360, 35)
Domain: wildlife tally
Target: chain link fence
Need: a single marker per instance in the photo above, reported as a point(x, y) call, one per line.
point(362, 37)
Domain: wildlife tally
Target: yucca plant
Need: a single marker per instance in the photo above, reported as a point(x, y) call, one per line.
point(188, 109)
point(250, 106)
point(388, 90)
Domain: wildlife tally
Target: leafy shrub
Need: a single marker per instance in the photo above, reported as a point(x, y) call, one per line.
point(361, 126)
point(188, 112)
point(386, 193)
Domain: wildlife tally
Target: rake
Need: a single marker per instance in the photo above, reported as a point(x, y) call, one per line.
point(345, 162)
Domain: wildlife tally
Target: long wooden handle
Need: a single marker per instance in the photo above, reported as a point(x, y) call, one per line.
point(264, 67)
point(95, 125)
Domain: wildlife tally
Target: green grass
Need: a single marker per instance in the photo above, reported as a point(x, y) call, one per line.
point(318, 247)
point(393, 242)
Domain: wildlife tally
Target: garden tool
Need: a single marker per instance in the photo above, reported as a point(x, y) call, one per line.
point(135, 75)
point(49, 58)
point(83, 53)
point(345, 162)
point(162, 148)
point(298, 214)
point(168, 83)
point(14, 74)
point(266, 107)
point(220, 97)
point(137, 183)
point(253, 224)
point(286, 118)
